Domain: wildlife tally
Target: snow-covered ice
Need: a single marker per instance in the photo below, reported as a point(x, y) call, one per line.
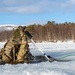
point(56, 50)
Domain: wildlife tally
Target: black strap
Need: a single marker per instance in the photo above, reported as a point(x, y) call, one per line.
point(28, 34)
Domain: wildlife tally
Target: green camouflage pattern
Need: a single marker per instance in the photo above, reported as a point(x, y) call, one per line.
point(7, 54)
point(23, 47)
point(16, 50)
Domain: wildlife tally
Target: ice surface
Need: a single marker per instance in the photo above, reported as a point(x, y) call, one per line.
point(45, 68)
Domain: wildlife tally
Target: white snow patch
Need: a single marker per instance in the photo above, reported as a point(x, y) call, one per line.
point(44, 68)
point(2, 44)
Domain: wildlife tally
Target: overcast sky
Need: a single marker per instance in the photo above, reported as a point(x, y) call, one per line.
point(36, 11)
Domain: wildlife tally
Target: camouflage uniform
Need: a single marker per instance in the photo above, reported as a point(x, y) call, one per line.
point(23, 54)
point(9, 51)
point(16, 50)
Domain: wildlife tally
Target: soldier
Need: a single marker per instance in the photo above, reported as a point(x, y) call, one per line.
point(23, 45)
point(24, 54)
point(16, 50)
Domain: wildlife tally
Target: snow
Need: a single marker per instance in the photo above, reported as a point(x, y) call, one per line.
point(3, 25)
point(45, 68)
point(2, 44)
point(8, 27)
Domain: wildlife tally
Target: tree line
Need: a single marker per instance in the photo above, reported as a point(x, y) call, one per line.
point(5, 35)
point(51, 32)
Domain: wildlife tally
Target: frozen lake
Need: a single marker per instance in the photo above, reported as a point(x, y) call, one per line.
point(57, 50)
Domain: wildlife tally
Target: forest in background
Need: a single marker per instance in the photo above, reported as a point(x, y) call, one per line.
point(50, 32)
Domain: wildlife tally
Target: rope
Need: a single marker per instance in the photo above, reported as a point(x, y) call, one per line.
point(68, 55)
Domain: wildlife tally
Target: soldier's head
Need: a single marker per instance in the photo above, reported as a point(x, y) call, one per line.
point(18, 32)
point(21, 28)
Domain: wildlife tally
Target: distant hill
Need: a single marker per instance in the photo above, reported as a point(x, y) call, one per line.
point(7, 27)
point(6, 31)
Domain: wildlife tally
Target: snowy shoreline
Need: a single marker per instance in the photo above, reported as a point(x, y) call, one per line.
point(44, 68)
